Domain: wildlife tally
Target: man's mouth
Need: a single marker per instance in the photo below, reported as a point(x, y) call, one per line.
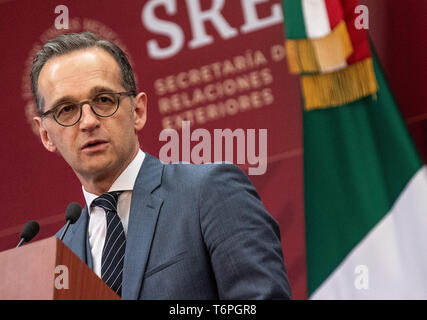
point(94, 144)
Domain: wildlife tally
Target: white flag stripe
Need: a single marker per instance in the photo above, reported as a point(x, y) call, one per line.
point(316, 18)
point(393, 253)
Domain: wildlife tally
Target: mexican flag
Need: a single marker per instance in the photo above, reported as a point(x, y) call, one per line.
point(365, 184)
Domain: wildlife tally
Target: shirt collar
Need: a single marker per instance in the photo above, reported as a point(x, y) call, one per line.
point(124, 182)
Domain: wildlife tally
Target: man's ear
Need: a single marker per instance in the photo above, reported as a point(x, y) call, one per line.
point(44, 136)
point(140, 111)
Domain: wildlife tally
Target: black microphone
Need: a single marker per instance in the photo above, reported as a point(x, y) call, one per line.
point(72, 214)
point(30, 229)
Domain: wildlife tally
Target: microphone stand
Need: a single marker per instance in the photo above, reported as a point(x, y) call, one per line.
point(20, 242)
point(65, 230)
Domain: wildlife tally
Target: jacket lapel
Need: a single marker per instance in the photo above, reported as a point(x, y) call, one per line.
point(144, 212)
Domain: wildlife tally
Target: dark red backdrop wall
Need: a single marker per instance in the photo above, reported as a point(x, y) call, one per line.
point(38, 185)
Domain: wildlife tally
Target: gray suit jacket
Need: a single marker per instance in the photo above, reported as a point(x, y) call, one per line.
point(195, 232)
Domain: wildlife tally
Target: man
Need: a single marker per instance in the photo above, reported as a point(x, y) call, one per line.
point(149, 230)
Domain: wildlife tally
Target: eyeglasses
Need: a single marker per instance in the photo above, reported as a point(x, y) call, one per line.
point(104, 104)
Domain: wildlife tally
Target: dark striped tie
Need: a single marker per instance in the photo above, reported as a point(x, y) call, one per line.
point(113, 252)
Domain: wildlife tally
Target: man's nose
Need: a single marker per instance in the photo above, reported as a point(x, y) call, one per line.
point(89, 120)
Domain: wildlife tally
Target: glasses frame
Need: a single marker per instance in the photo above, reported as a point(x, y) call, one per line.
point(89, 102)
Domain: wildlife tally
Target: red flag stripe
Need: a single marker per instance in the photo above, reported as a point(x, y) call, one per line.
point(335, 12)
point(358, 37)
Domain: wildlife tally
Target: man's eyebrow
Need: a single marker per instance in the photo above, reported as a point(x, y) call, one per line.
point(99, 89)
point(68, 98)
point(61, 100)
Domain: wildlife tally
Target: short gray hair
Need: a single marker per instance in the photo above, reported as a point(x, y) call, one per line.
point(69, 42)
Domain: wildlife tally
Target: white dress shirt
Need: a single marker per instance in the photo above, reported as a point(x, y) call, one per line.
point(97, 219)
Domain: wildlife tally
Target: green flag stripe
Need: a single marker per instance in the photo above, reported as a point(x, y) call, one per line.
point(357, 160)
point(294, 19)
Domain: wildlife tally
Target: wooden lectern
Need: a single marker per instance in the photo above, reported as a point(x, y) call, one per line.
point(49, 270)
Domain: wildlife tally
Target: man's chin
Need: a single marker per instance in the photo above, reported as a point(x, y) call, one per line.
point(95, 170)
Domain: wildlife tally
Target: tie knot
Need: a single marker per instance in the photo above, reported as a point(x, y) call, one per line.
point(107, 201)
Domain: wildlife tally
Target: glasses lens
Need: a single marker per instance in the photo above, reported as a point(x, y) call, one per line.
point(105, 104)
point(67, 114)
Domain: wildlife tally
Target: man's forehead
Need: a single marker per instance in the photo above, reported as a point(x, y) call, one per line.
point(77, 73)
